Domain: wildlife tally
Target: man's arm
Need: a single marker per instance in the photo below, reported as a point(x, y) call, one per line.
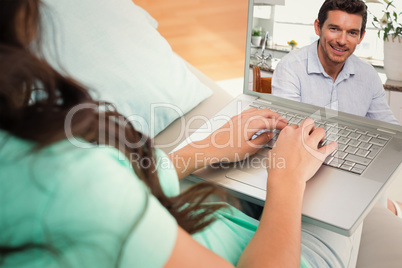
point(379, 108)
point(285, 82)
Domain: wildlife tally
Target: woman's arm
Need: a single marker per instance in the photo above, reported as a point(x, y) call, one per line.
point(278, 237)
point(277, 240)
point(232, 142)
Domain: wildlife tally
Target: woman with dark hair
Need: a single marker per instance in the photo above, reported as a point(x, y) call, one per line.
point(67, 206)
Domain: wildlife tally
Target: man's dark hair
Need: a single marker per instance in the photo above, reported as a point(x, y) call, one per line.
point(357, 7)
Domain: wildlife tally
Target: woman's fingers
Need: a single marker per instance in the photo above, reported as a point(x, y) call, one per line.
point(312, 137)
point(268, 113)
point(317, 135)
point(307, 127)
point(258, 123)
point(264, 113)
point(328, 148)
point(255, 123)
point(261, 139)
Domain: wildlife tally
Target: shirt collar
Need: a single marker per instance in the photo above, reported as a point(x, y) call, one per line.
point(314, 65)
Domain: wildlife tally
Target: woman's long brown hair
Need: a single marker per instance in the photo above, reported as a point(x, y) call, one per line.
point(24, 75)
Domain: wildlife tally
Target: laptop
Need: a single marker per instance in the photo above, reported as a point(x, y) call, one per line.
point(347, 185)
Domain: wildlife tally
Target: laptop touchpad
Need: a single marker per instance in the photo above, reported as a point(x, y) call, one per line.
point(254, 177)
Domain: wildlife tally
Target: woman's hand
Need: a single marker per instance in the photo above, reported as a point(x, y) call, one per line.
point(297, 152)
point(294, 159)
point(232, 142)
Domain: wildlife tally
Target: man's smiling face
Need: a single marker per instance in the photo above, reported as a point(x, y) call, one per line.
point(339, 37)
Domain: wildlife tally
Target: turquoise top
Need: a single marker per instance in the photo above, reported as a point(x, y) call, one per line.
point(90, 207)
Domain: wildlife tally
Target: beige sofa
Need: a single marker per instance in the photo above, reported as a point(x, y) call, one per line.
point(381, 242)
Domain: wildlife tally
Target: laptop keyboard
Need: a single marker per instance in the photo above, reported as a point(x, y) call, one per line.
point(356, 148)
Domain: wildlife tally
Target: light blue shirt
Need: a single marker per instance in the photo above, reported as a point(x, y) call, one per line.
point(357, 90)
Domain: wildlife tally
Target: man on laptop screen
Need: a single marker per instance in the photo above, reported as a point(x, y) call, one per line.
point(327, 74)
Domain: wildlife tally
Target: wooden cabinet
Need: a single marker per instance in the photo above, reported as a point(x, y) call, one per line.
point(395, 102)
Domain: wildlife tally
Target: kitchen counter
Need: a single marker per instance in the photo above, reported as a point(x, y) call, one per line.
point(391, 85)
point(268, 67)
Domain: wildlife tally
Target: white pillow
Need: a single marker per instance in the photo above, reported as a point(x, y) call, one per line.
point(113, 46)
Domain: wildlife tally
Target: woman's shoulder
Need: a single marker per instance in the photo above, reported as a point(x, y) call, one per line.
point(107, 195)
point(72, 176)
point(84, 195)
point(75, 163)
point(64, 168)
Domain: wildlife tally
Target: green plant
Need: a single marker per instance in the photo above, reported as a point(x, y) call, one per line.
point(256, 32)
point(388, 24)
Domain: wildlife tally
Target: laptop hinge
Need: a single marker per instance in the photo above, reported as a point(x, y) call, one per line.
point(386, 131)
point(263, 101)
